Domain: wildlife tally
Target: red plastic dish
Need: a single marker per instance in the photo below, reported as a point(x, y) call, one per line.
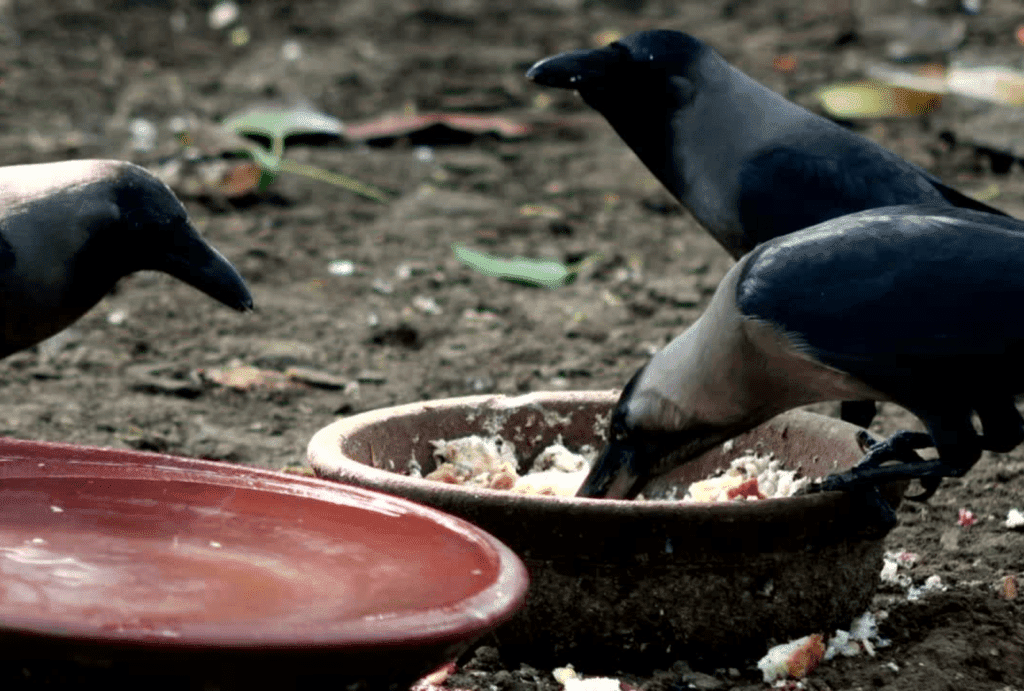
point(109, 554)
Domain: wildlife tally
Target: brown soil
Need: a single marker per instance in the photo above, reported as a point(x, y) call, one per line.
point(74, 73)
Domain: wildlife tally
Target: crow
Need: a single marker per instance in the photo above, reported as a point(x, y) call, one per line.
point(748, 164)
point(69, 230)
point(910, 304)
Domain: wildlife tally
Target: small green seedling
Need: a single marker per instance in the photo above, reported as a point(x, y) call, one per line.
point(277, 124)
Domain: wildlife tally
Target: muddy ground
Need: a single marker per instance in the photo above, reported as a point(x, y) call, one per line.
point(411, 323)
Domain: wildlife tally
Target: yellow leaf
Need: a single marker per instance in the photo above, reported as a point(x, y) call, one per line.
point(603, 38)
point(873, 99)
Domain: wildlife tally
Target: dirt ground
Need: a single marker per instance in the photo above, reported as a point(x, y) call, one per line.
point(411, 323)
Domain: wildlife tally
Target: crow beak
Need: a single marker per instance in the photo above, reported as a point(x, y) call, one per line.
point(612, 475)
point(194, 261)
point(576, 69)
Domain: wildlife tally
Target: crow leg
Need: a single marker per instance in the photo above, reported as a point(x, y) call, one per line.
point(859, 478)
point(959, 448)
point(864, 480)
point(859, 413)
point(950, 432)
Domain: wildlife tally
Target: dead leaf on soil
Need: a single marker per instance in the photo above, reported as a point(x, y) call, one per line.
point(993, 83)
point(240, 179)
point(930, 77)
point(541, 211)
point(1008, 587)
point(603, 38)
point(398, 125)
point(785, 63)
point(242, 377)
point(317, 378)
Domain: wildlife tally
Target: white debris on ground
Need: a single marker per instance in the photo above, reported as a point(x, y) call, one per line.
point(795, 659)
point(966, 518)
point(861, 638)
point(572, 681)
point(798, 658)
point(893, 561)
point(932, 584)
point(436, 679)
point(751, 476)
point(1014, 519)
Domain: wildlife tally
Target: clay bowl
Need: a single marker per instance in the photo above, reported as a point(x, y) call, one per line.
point(622, 582)
point(116, 565)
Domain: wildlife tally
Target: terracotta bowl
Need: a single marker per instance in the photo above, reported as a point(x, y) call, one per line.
point(627, 582)
point(124, 565)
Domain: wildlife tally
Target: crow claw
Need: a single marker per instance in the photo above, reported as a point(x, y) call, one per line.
point(899, 447)
point(870, 473)
point(864, 440)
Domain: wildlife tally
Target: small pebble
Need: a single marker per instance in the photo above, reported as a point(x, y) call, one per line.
point(223, 15)
point(291, 50)
point(341, 267)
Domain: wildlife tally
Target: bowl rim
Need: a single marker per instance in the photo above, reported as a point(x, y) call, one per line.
point(325, 457)
point(465, 620)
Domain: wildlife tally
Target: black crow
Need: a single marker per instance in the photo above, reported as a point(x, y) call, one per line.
point(910, 304)
point(747, 163)
point(70, 230)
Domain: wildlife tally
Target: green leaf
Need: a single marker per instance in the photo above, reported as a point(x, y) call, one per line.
point(534, 272)
point(283, 122)
point(278, 123)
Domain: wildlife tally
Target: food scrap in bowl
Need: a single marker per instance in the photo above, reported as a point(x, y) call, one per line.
point(491, 462)
point(754, 475)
